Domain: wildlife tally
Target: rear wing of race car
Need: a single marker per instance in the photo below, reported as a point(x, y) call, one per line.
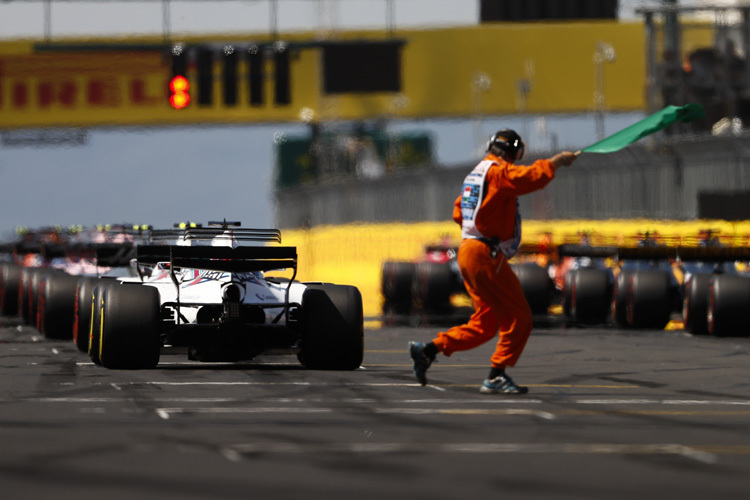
point(221, 250)
point(232, 235)
point(227, 259)
point(114, 254)
point(659, 252)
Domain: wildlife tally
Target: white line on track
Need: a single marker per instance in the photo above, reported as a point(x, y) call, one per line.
point(660, 402)
point(496, 448)
point(417, 401)
point(166, 413)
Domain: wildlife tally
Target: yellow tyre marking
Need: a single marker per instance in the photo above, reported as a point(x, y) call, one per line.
point(91, 321)
point(101, 329)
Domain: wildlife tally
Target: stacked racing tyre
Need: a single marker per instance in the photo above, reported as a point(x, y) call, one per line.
point(729, 299)
point(332, 327)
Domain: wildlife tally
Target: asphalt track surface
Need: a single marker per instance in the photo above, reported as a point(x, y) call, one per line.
point(610, 414)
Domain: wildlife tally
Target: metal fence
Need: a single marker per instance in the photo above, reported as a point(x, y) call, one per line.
point(664, 180)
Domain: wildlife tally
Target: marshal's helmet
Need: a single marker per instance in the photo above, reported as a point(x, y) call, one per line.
point(509, 144)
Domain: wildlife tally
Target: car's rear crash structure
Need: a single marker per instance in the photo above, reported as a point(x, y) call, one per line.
point(216, 303)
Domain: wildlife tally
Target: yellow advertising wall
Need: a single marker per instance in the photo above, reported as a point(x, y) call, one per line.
point(353, 254)
point(55, 85)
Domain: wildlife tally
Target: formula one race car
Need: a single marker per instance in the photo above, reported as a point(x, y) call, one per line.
point(716, 294)
point(204, 291)
point(424, 289)
point(40, 276)
point(655, 282)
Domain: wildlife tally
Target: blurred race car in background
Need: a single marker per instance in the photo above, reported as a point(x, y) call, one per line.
point(432, 288)
point(423, 287)
point(654, 283)
point(41, 272)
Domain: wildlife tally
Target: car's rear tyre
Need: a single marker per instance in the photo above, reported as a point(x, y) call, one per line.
point(695, 304)
point(649, 302)
point(537, 286)
point(82, 312)
point(26, 294)
point(130, 327)
point(620, 299)
point(332, 336)
point(9, 276)
point(729, 299)
point(35, 277)
point(396, 285)
point(56, 305)
point(95, 322)
point(588, 296)
point(432, 287)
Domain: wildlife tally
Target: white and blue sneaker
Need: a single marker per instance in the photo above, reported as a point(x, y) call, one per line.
point(502, 384)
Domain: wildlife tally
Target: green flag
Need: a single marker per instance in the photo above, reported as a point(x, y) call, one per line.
point(647, 126)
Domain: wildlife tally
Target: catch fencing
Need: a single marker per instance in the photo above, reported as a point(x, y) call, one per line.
point(685, 179)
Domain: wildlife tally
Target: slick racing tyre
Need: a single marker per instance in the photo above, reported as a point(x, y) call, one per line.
point(94, 331)
point(433, 285)
point(695, 304)
point(537, 286)
point(32, 294)
point(649, 301)
point(587, 296)
point(28, 280)
point(620, 299)
point(130, 326)
point(9, 275)
point(82, 312)
point(728, 302)
point(396, 284)
point(56, 305)
point(332, 336)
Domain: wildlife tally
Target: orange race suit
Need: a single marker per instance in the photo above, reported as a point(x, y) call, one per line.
point(487, 210)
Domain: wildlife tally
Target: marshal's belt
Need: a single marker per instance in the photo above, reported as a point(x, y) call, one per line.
point(494, 245)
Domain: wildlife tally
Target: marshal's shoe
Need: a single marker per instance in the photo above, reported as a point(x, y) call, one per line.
point(502, 384)
point(420, 361)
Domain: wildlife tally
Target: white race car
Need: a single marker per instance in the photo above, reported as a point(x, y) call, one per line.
point(203, 290)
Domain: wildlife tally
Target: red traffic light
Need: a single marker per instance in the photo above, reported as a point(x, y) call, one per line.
point(179, 87)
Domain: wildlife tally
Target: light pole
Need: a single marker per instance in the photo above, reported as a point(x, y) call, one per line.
point(604, 53)
point(480, 84)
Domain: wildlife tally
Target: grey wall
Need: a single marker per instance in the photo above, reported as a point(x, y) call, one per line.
point(660, 181)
